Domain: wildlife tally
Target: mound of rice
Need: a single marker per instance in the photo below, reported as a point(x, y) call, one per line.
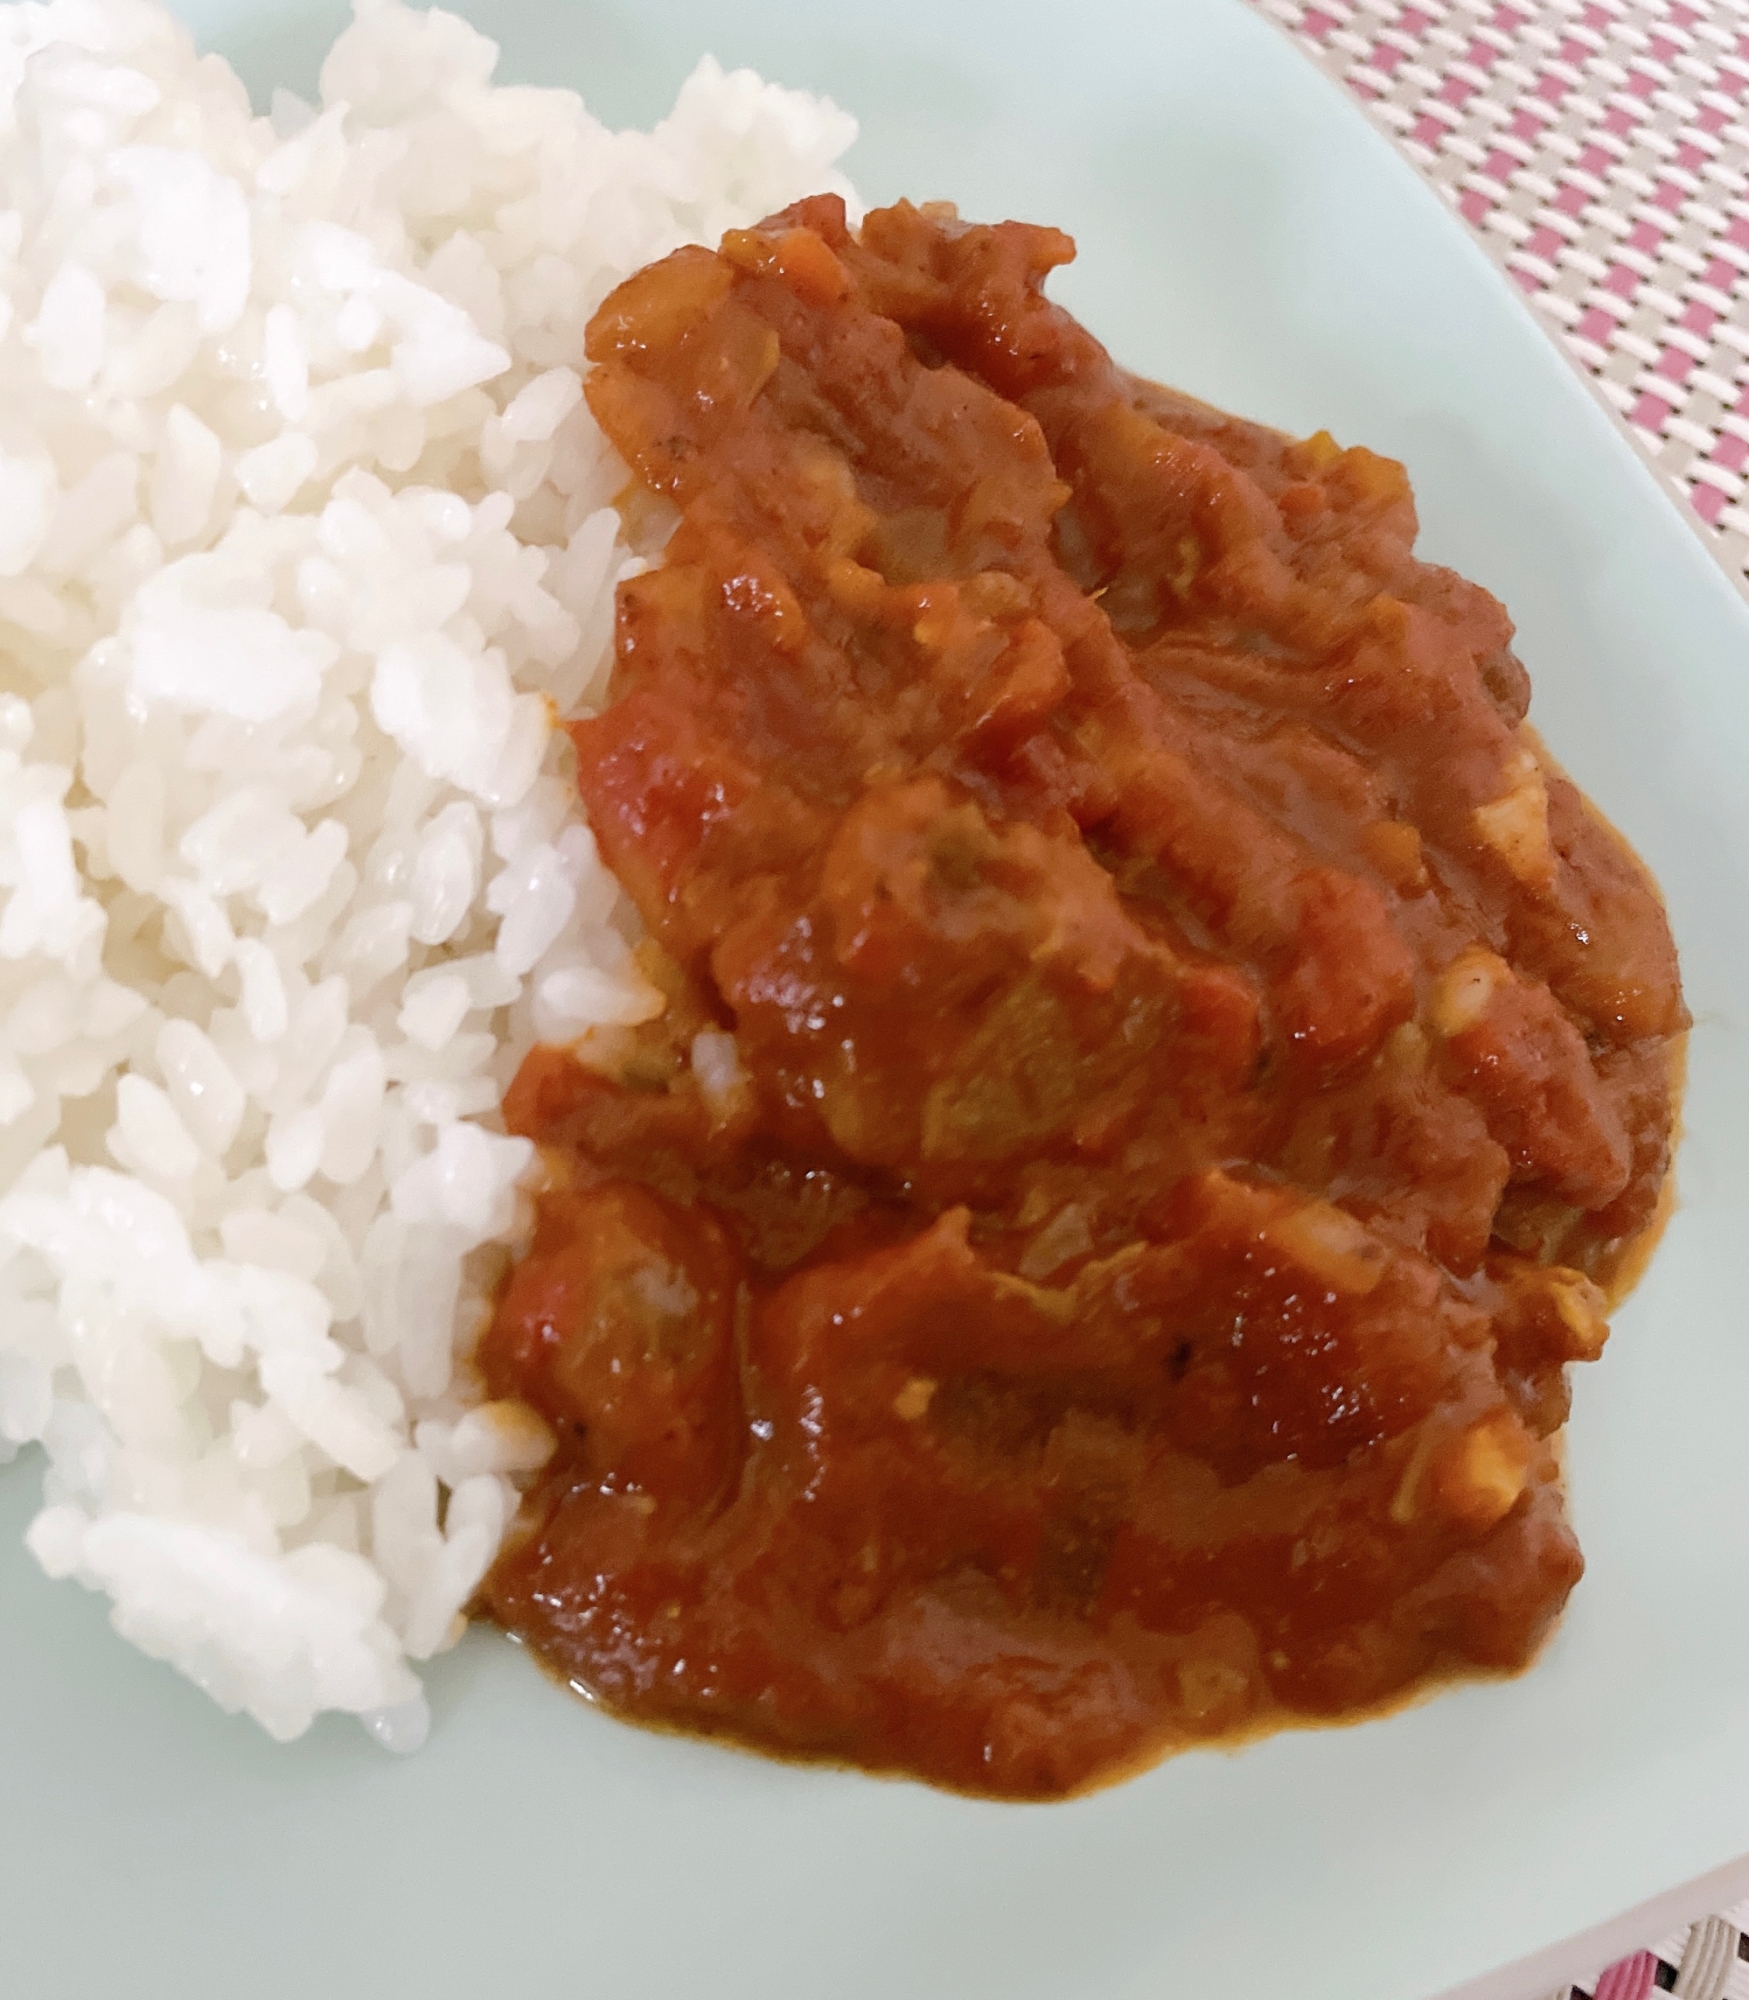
point(306, 535)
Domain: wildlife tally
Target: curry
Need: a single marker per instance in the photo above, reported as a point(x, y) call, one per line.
point(1159, 1071)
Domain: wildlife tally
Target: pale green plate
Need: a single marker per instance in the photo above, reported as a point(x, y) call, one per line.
point(1244, 233)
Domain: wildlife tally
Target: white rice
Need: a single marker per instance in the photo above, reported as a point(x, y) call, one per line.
point(305, 534)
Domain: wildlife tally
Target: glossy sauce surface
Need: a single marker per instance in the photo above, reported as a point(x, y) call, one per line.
point(1158, 1073)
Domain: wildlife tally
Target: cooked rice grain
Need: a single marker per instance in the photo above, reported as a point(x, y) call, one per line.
point(305, 531)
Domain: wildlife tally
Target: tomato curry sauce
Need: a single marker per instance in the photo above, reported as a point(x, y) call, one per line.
point(1158, 1074)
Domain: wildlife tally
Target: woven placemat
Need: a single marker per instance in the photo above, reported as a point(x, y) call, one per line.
point(1704, 1961)
point(1601, 147)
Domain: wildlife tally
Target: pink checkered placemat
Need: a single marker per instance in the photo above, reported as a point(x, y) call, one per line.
point(1601, 147)
point(1704, 1961)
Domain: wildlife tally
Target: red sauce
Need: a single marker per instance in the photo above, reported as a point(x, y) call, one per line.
point(1195, 1064)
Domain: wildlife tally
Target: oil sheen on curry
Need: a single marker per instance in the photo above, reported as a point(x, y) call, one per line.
point(1159, 1073)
